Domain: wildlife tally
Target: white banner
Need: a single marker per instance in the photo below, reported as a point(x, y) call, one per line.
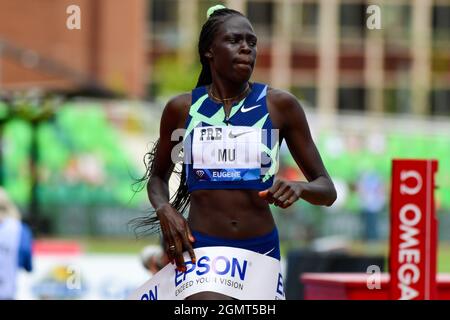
point(238, 273)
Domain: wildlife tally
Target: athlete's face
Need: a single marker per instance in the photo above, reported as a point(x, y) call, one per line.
point(233, 51)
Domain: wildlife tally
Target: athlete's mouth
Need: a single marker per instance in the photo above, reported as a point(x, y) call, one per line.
point(244, 61)
point(245, 65)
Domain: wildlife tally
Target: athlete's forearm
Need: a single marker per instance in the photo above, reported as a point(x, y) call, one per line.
point(158, 192)
point(320, 191)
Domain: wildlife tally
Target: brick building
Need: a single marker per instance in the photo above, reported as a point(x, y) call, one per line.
point(38, 50)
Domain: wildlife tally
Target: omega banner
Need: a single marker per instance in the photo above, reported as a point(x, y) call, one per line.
point(238, 273)
point(413, 230)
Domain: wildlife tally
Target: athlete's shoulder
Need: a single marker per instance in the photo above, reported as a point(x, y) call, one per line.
point(282, 100)
point(179, 102)
point(178, 106)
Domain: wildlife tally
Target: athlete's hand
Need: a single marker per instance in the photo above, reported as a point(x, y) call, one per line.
point(283, 193)
point(176, 234)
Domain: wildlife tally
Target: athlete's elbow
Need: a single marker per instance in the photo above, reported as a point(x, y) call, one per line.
point(332, 196)
point(330, 202)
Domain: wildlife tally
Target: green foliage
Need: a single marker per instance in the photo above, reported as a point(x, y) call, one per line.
point(79, 140)
point(172, 76)
point(3, 111)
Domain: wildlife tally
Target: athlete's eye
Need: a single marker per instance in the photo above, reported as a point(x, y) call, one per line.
point(251, 41)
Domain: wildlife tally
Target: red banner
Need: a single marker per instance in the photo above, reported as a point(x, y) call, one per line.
point(413, 230)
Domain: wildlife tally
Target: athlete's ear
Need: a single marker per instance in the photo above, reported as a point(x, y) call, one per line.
point(208, 54)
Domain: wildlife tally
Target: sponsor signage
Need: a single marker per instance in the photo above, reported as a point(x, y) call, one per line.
point(413, 230)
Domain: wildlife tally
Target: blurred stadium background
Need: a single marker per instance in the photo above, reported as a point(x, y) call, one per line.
point(79, 109)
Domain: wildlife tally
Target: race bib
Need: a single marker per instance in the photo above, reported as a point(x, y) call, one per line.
point(227, 153)
point(238, 273)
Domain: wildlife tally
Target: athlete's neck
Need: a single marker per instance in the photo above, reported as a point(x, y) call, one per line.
point(228, 92)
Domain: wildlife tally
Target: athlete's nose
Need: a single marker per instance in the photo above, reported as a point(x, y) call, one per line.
point(245, 48)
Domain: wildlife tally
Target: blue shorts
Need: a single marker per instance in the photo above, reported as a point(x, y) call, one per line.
point(268, 244)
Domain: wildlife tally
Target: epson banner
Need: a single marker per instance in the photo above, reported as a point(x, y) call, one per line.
point(239, 273)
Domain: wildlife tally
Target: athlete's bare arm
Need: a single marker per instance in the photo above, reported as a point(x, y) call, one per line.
point(174, 227)
point(319, 189)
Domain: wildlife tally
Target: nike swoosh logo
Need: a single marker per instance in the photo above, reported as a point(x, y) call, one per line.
point(235, 135)
point(244, 109)
point(269, 251)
